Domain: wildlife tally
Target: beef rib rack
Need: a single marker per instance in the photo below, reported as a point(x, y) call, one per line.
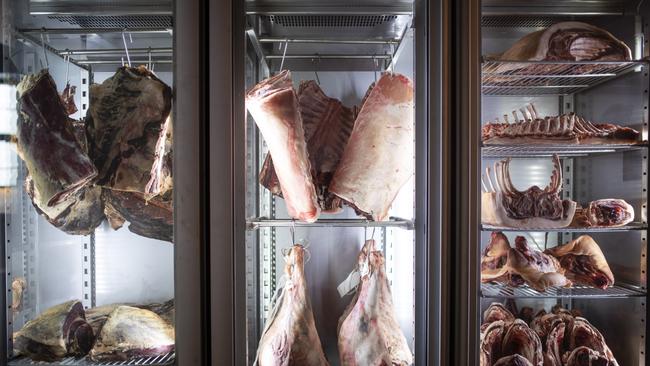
point(504, 205)
point(273, 103)
point(369, 334)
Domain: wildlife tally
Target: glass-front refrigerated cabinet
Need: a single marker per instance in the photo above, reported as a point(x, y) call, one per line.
point(564, 163)
point(87, 256)
point(330, 188)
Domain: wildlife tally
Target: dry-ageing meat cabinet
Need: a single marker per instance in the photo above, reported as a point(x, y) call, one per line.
point(616, 93)
point(42, 266)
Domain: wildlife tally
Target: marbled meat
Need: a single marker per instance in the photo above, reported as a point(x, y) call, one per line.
point(125, 123)
point(151, 218)
point(46, 142)
point(57, 332)
point(131, 332)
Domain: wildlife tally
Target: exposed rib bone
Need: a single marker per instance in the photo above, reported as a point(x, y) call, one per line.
point(532, 107)
point(489, 179)
point(514, 114)
point(525, 114)
point(485, 189)
point(505, 117)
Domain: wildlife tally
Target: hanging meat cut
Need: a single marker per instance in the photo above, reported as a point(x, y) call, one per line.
point(59, 331)
point(131, 332)
point(563, 129)
point(126, 122)
point(47, 144)
point(504, 205)
point(584, 262)
point(67, 98)
point(378, 159)
point(151, 218)
point(274, 106)
point(568, 41)
point(368, 332)
point(327, 126)
point(290, 337)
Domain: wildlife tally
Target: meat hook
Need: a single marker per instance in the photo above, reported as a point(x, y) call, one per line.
point(292, 229)
point(126, 49)
point(66, 59)
point(284, 54)
point(316, 68)
point(47, 62)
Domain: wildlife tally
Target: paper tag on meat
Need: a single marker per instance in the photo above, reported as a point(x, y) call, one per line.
point(349, 284)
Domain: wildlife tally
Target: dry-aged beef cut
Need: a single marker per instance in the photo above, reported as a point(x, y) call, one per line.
point(584, 356)
point(581, 333)
point(59, 331)
point(368, 332)
point(514, 360)
point(327, 126)
point(497, 311)
point(98, 315)
point(290, 337)
point(568, 41)
point(605, 212)
point(274, 106)
point(519, 339)
point(46, 142)
point(378, 159)
point(537, 269)
point(584, 262)
point(152, 218)
point(563, 129)
point(131, 332)
point(504, 205)
point(125, 122)
point(494, 259)
point(491, 342)
point(67, 98)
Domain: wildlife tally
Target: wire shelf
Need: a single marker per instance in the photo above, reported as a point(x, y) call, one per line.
point(501, 151)
point(162, 360)
point(595, 229)
point(549, 78)
point(258, 222)
point(492, 290)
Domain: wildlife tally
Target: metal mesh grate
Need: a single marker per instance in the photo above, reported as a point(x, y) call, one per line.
point(311, 21)
point(499, 151)
point(501, 290)
point(122, 21)
point(162, 360)
point(548, 78)
point(595, 229)
point(520, 21)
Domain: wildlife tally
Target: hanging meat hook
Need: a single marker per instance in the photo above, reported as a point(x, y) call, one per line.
point(126, 50)
point(47, 62)
point(284, 54)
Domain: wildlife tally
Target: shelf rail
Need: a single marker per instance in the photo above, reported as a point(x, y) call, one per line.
point(397, 222)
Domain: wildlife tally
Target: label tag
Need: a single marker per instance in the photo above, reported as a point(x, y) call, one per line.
point(350, 283)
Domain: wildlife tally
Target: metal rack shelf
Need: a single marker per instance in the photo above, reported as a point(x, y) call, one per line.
point(533, 151)
point(549, 77)
point(397, 222)
point(490, 290)
point(163, 360)
point(629, 227)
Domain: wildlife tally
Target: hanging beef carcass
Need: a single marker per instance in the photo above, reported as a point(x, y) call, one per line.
point(131, 332)
point(568, 41)
point(327, 125)
point(274, 106)
point(610, 212)
point(151, 218)
point(290, 337)
point(505, 205)
point(378, 159)
point(494, 259)
point(368, 332)
point(56, 162)
point(583, 262)
point(127, 119)
point(569, 128)
point(59, 331)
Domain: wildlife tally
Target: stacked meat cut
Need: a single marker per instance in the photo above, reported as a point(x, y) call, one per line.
point(506, 206)
point(579, 261)
point(115, 164)
point(559, 338)
point(323, 154)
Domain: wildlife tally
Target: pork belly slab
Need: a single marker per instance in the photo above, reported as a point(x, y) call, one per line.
point(273, 103)
point(378, 159)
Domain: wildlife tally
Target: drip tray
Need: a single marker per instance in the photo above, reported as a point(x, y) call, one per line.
point(163, 360)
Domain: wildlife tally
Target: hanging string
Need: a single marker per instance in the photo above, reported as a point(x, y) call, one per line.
point(293, 231)
point(376, 65)
point(66, 59)
point(284, 54)
point(149, 54)
point(47, 62)
point(316, 68)
point(126, 50)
